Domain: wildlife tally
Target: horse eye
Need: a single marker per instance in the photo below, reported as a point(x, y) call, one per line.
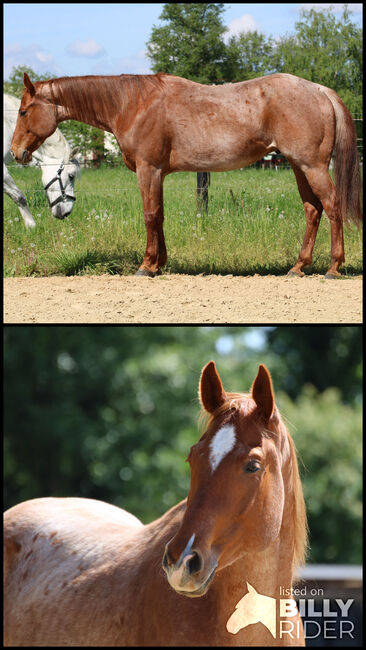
point(22, 113)
point(252, 466)
point(71, 176)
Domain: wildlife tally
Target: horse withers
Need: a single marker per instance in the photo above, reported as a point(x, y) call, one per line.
point(165, 124)
point(84, 573)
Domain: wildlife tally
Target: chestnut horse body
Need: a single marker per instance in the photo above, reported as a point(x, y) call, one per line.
point(84, 573)
point(165, 124)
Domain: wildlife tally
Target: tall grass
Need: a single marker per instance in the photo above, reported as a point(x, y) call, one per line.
point(255, 224)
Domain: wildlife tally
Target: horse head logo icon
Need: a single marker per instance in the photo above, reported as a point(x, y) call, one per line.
point(253, 608)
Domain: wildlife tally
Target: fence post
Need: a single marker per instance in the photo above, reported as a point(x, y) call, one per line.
point(203, 181)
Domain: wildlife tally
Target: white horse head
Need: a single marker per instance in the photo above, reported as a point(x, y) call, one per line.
point(58, 176)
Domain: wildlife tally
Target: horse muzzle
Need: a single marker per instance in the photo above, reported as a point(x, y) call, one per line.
point(22, 156)
point(190, 575)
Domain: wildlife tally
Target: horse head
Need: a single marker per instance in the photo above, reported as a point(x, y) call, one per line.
point(236, 497)
point(36, 121)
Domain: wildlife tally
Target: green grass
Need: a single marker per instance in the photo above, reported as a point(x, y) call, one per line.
point(258, 228)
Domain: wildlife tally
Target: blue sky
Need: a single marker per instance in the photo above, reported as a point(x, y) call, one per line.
point(78, 39)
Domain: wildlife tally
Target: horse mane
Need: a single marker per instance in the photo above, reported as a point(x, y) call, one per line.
point(103, 94)
point(244, 402)
point(300, 520)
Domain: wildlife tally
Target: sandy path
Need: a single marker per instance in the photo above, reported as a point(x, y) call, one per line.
point(182, 299)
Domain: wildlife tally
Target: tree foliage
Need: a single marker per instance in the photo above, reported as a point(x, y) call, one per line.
point(190, 43)
point(110, 413)
point(249, 55)
point(325, 50)
point(328, 439)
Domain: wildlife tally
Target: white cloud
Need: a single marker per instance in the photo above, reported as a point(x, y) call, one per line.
point(138, 64)
point(355, 7)
point(43, 57)
point(245, 23)
point(89, 48)
point(33, 56)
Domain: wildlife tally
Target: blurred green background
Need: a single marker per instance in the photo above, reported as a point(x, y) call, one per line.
point(111, 412)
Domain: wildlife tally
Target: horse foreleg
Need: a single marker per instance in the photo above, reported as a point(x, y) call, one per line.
point(313, 211)
point(12, 190)
point(151, 187)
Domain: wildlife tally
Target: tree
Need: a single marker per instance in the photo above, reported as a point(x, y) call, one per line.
point(325, 50)
point(321, 356)
point(249, 55)
point(190, 44)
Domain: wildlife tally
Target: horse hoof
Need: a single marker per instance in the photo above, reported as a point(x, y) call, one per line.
point(331, 276)
point(147, 273)
point(295, 274)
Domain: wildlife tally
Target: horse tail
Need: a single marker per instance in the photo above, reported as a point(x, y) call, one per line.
point(346, 163)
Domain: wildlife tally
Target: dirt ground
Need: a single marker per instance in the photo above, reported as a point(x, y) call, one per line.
point(182, 299)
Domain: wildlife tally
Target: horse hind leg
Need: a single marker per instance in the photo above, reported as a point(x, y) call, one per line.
point(313, 211)
point(323, 187)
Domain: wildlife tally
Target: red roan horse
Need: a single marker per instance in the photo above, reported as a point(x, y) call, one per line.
point(81, 572)
point(165, 124)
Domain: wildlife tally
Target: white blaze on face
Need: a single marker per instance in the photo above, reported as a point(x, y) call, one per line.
point(220, 445)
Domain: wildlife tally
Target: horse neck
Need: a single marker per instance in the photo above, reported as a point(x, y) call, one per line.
point(93, 100)
point(267, 571)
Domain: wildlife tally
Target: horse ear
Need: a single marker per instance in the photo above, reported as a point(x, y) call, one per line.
point(262, 392)
point(28, 84)
point(211, 392)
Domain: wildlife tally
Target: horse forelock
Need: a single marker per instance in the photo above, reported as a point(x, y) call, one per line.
point(244, 404)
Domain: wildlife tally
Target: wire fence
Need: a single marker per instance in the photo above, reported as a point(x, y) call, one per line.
point(273, 161)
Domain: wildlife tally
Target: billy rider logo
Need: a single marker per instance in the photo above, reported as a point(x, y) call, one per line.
point(255, 608)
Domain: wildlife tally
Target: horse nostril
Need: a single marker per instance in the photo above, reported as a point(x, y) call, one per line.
point(166, 561)
point(194, 563)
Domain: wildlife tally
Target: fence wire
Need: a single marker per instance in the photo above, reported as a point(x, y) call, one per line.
point(119, 163)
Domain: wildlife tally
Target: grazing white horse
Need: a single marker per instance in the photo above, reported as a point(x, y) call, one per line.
point(58, 164)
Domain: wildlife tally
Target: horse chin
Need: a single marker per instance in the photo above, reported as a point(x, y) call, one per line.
point(202, 589)
point(60, 215)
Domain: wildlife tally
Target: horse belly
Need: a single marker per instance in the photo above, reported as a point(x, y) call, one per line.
point(214, 161)
point(213, 146)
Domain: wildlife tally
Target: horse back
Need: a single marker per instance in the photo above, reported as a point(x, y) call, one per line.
point(66, 554)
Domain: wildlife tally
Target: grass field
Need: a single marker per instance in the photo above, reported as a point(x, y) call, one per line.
point(258, 227)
